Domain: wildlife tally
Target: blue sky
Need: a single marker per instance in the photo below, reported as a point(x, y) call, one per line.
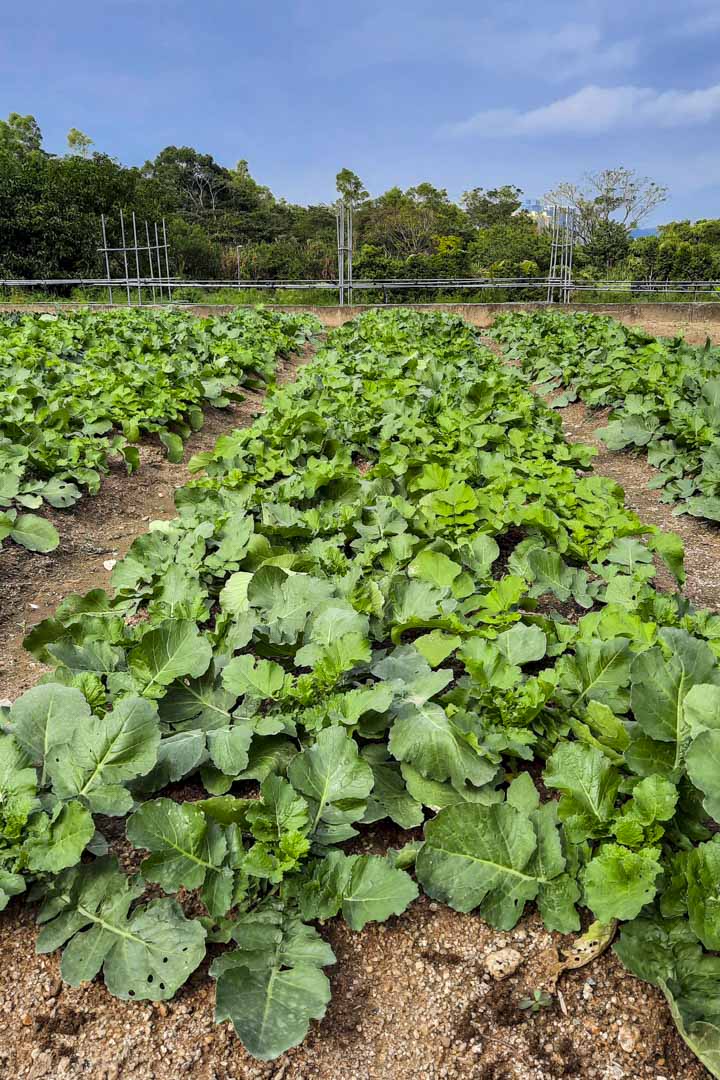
point(401, 91)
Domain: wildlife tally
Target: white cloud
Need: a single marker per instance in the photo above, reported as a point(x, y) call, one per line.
point(594, 110)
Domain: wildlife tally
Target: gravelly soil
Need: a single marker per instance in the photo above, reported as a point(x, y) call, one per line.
point(411, 998)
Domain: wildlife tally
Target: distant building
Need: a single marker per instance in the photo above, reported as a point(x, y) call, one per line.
point(538, 212)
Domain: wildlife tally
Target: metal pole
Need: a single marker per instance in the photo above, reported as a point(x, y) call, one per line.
point(124, 251)
point(107, 258)
point(237, 252)
point(137, 260)
point(150, 259)
point(350, 251)
point(571, 243)
point(341, 250)
point(157, 250)
point(167, 261)
point(553, 256)
point(562, 241)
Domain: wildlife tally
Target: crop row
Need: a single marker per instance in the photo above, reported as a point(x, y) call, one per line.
point(77, 388)
point(664, 393)
point(384, 600)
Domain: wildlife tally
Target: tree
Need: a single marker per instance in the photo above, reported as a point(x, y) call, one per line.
point(704, 231)
point(503, 250)
point(20, 134)
point(407, 222)
point(493, 207)
point(350, 187)
point(78, 143)
point(613, 194)
point(608, 245)
point(193, 180)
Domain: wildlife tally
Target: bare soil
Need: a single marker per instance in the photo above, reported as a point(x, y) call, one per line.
point(411, 998)
point(695, 331)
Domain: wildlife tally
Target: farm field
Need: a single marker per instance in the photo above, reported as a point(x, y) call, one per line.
point(664, 395)
point(80, 387)
point(404, 605)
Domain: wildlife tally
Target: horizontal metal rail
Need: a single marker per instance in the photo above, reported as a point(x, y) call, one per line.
point(329, 284)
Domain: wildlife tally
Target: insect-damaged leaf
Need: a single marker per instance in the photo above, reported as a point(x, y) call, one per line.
point(146, 953)
point(101, 757)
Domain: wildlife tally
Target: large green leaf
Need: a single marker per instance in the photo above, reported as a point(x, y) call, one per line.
point(173, 649)
point(272, 985)
point(145, 954)
point(366, 888)
point(35, 533)
point(491, 858)
point(423, 736)
point(666, 953)
point(589, 784)
point(434, 567)
point(261, 678)
point(619, 883)
point(660, 684)
point(703, 875)
point(701, 711)
point(599, 671)
point(336, 782)
point(11, 884)
point(284, 602)
point(177, 757)
point(46, 717)
point(58, 840)
point(437, 795)
point(101, 757)
point(390, 796)
point(186, 849)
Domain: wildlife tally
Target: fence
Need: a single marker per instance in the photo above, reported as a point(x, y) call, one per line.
point(147, 286)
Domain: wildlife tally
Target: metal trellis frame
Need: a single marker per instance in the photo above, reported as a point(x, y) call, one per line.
point(562, 224)
point(156, 253)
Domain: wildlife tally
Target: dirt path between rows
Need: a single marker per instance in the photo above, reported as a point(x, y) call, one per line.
point(630, 469)
point(411, 998)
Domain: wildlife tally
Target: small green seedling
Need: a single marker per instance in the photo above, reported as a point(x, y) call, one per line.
point(539, 1000)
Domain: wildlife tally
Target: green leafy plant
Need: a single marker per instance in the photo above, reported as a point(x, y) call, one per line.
point(78, 388)
point(664, 394)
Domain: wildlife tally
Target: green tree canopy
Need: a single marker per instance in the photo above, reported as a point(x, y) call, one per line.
point(493, 207)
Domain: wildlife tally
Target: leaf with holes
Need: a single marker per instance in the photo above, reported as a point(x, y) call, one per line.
point(101, 757)
point(146, 953)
